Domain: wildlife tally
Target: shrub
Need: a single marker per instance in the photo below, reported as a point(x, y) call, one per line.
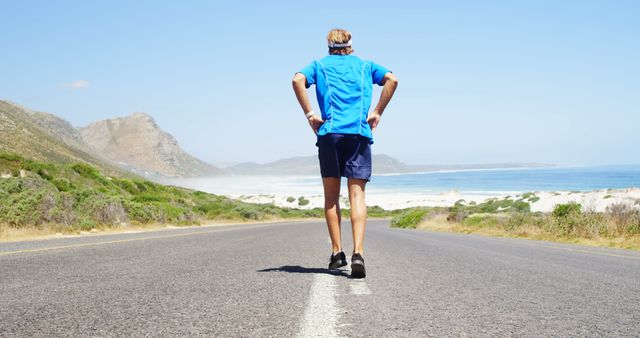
point(567, 218)
point(140, 212)
point(566, 210)
point(376, 211)
point(85, 170)
point(624, 218)
point(62, 184)
point(22, 209)
point(174, 214)
point(89, 172)
point(12, 186)
point(11, 157)
point(528, 195)
point(520, 206)
point(127, 185)
point(108, 210)
point(44, 174)
point(248, 212)
point(457, 215)
point(409, 218)
point(290, 199)
point(85, 224)
point(302, 201)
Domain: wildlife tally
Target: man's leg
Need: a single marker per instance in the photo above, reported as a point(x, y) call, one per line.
point(358, 212)
point(332, 210)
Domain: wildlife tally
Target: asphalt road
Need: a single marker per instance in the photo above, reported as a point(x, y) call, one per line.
point(270, 280)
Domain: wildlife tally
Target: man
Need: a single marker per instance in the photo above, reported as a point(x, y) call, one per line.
point(344, 129)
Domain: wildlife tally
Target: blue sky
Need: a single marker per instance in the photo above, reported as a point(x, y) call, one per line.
point(480, 81)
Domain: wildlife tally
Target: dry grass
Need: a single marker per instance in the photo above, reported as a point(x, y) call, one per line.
point(440, 223)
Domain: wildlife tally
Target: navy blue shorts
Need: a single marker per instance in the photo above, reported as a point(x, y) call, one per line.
point(347, 155)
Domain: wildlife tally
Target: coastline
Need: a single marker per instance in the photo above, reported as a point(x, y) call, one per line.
point(541, 201)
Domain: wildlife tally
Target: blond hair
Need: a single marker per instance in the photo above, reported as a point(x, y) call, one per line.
point(339, 36)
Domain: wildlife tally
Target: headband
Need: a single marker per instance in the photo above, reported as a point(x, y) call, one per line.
point(340, 45)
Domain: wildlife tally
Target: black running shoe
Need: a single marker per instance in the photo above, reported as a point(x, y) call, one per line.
point(357, 266)
point(337, 260)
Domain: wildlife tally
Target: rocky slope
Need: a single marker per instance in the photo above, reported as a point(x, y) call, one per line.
point(45, 137)
point(137, 142)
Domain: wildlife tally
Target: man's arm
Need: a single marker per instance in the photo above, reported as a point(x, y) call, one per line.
point(390, 83)
point(299, 88)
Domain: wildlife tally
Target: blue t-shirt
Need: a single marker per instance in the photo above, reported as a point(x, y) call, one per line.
point(344, 85)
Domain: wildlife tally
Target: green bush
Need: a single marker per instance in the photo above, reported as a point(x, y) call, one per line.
point(248, 212)
point(566, 210)
point(520, 206)
point(62, 184)
point(409, 218)
point(86, 170)
point(127, 185)
point(528, 195)
point(567, 219)
point(44, 174)
point(302, 201)
point(22, 209)
point(85, 224)
point(376, 211)
point(11, 157)
point(12, 186)
point(90, 172)
point(290, 199)
point(140, 212)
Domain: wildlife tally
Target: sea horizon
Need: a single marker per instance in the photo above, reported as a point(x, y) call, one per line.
point(498, 181)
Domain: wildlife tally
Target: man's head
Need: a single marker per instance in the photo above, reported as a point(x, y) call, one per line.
point(339, 42)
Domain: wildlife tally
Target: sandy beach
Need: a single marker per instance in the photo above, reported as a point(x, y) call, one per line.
point(406, 190)
point(597, 200)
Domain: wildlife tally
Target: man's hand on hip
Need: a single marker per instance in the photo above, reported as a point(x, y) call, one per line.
point(373, 120)
point(315, 122)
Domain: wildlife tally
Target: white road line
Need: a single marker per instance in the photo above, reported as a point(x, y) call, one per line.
point(321, 314)
point(359, 287)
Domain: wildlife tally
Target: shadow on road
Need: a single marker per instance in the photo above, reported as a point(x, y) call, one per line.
point(301, 269)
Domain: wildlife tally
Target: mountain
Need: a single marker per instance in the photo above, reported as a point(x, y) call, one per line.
point(382, 164)
point(129, 144)
point(138, 143)
point(45, 137)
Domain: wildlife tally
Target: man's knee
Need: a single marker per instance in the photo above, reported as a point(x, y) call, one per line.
point(331, 201)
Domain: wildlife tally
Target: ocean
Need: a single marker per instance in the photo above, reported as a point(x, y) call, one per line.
point(478, 182)
point(514, 180)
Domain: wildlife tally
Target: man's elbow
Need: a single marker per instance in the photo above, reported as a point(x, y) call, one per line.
point(391, 79)
point(299, 79)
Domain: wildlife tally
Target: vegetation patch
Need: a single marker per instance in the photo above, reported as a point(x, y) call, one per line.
point(78, 197)
point(617, 226)
point(409, 218)
point(302, 201)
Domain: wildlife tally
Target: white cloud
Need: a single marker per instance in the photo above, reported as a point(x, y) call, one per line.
point(77, 84)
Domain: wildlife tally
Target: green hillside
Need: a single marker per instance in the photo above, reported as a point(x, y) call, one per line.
point(78, 196)
point(44, 137)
